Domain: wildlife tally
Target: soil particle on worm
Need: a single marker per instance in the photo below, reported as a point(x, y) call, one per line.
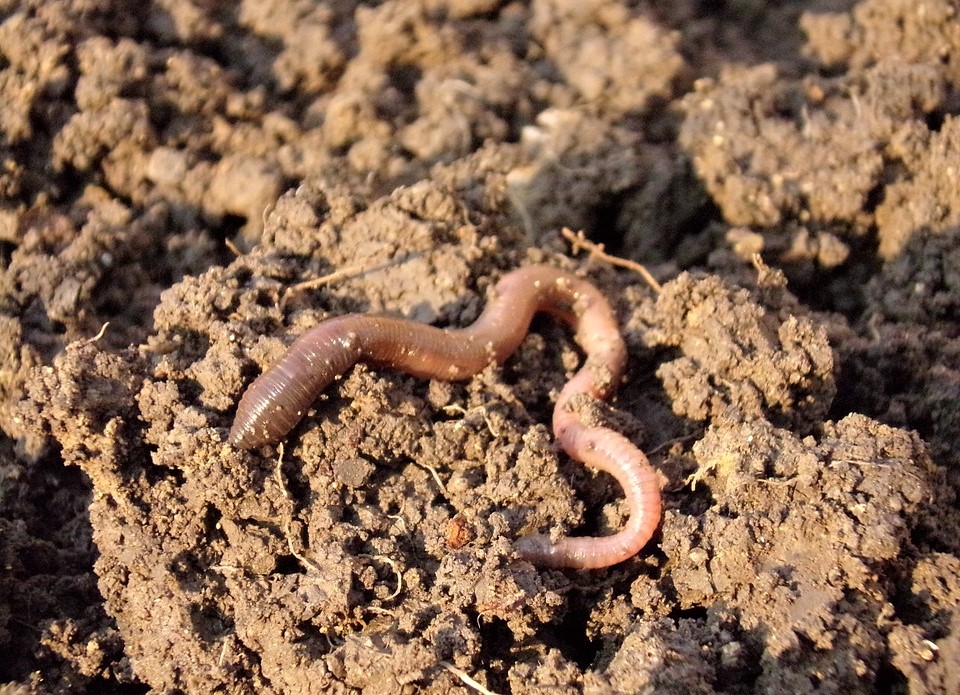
point(804, 415)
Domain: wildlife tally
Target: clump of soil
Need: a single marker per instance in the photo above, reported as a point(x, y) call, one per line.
point(185, 190)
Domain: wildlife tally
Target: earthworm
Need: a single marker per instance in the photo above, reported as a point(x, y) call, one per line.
point(278, 398)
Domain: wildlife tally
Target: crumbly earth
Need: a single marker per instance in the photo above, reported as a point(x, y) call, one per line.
point(179, 183)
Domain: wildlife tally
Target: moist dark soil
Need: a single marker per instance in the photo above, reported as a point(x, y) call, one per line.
point(187, 185)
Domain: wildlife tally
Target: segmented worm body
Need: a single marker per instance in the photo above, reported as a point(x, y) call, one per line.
point(275, 402)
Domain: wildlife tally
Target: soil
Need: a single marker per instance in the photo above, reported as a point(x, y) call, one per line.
point(178, 183)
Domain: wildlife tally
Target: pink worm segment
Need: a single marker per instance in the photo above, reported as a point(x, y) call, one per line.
point(275, 401)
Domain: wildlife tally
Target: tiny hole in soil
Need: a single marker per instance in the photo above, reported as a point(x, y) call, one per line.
point(210, 623)
point(727, 513)
point(570, 637)
point(102, 685)
point(874, 197)
point(602, 220)
point(934, 121)
point(265, 299)
point(243, 276)
point(190, 390)
point(706, 214)
point(497, 643)
point(890, 681)
point(6, 253)
point(288, 564)
point(156, 473)
point(936, 540)
point(697, 613)
point(404, 79)
point(699, 500)
point(229, 227)
point(313, 639)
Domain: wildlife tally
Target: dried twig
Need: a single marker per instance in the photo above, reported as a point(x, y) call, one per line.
point(580, 243)
point(328, 278)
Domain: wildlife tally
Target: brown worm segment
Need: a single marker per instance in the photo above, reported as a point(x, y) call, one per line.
point(275, 401)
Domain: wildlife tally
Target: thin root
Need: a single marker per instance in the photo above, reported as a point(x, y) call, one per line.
point(436, 476)
point(303, 559)
point(394, 567)
point(99, 335)
point(467, 680)
point(233, 248)
point(456, 408)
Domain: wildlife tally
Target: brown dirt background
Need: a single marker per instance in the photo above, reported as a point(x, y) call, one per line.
point(177, 167)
